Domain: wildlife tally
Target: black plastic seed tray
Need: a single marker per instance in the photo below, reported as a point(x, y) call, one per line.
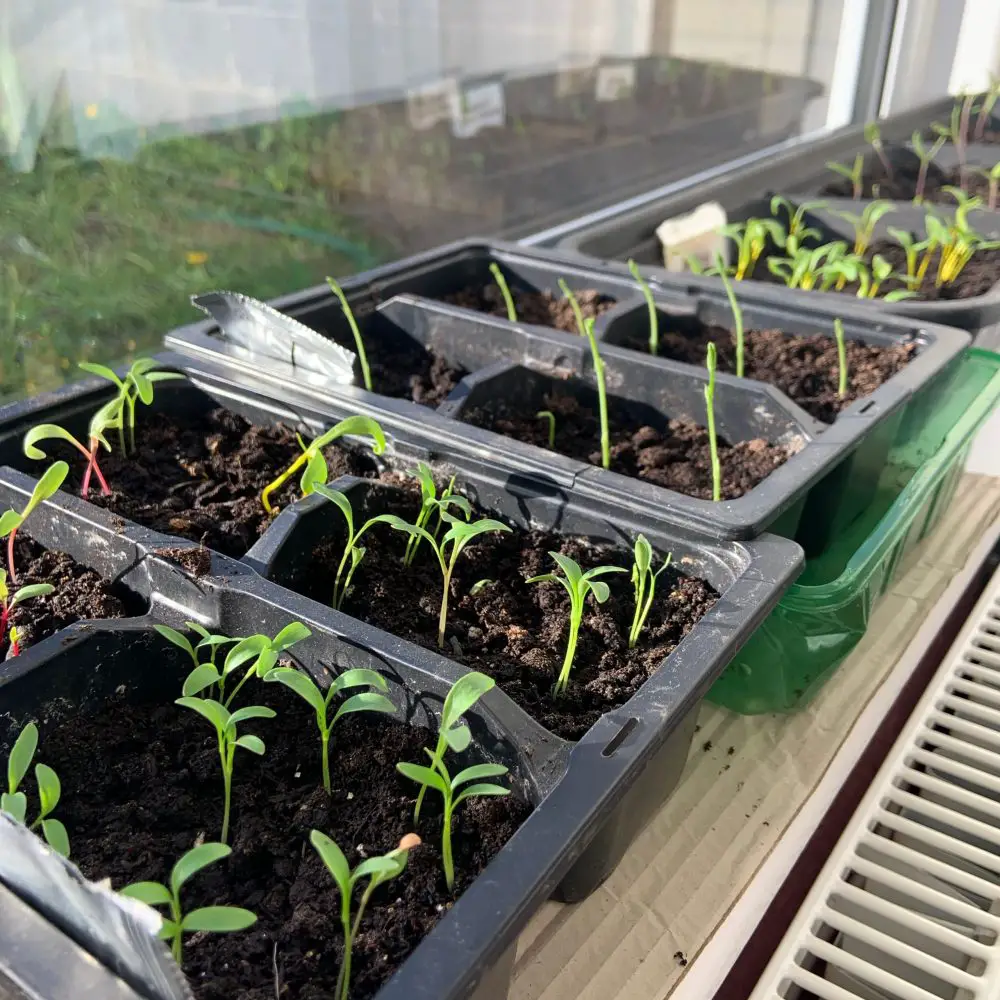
point(590, 798)
point(831, 478)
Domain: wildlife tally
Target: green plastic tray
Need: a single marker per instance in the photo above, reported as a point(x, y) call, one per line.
point(825, 613)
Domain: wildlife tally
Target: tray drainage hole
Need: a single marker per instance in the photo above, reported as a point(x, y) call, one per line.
point(616, 741)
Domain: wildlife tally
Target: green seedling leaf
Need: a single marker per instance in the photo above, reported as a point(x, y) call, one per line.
point(252, 743)
point(56, 836)
point(367, 701)
point(150, 893)
point(220, 919)
point(203, 676)
point(191, 863)
point(422, 775)
point(31, 591)
point(332, 856)
point(215, 712)
point(251, 712)
point(49, 788)
point(297, 681)
point(102, 371)
point(178, 639)
point(21, 755)
point(476, 772)
point(15, 805)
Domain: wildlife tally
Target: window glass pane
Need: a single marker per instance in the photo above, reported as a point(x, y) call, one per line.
point(150, 149)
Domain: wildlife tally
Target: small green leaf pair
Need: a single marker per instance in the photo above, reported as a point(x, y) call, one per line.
point(217, 919)
point(316, 471)
point(8, 603)
point(15, 802)
point(11, 519)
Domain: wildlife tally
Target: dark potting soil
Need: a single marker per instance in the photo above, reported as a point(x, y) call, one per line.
point(540, 308)
point(902, 186)
point(805, 368)
point(676, 455)
point(513, 631)
point(80, 594)
point(201, 477)
point(403, 369)
point(141, 785)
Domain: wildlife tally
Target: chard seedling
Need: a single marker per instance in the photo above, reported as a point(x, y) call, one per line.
point(15, 802)
point(11, 520)
point(438, 778)
point(838, 333)
point(215, 919)
point(316, 470)
point(550, 423)
point(453, 734)
point(508, 299)
point(578, 585)
point(713, 443)
point(912, 249)
point(751, 239)
point(14, 640)
point(925, 156)
point(358, 342)
point(137, 385)
point(647, 294)
point(993, 180)
point(986, 108)
point(644, 584)
point(458, 536)
point(957, 240)
point(225, 724)
point(805, 267)
point(429, 503)
point(8, 602)
point(208, 641)
point(574, 305)
point(377, 870)
point(854, 174)
point(46, 432)
point(796, 215)
point(874, 138)
point(865, 223)
point(737, 312)
point(307, 689)
point(355, 553)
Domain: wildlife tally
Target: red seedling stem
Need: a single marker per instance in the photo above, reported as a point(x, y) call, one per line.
point(15, 648)
point(10, 573)
point(93, 467)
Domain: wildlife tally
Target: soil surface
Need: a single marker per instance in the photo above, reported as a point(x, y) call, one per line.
point(197, 562)
point(141, 785)
point(201, 477)
point(80, 594)
point(676, 456)
point(902, 186)
point(514, 631)
point(401, 368)
point(540, 308)
point(806, 368)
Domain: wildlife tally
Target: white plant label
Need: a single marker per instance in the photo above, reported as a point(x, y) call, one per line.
point(479, 106)
point(695, 234)
point(430, 103)
point(615, 82)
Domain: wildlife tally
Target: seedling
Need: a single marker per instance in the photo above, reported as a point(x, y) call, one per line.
point(225, 724)
point(957, 240)
point(925, 156)
point(713, 443)
point(796, 215)
point(316, 470)
point(805, 267)
point(644, 584)
point(430, 502)
point(654, 320)
point(864, 224)
point(986, 108)
point(15, 802)
point(508, 299)
point(45, 432)
point(550, 422)
point(574, 305)
point(854, 174)
point(307, 689)
point(355, 553)
point(358, 342)
point(260, 651)
point(454, 734)
point(737, 312)
point(838, 333)
point(438, 778)
point(874, 137)
point(751, 239)
point(137, 385)
point(912, 249)
point(215, 919)
point(11, 520)
point(377, 870)
point(14, 640)
point(993, 179)
point(458, 536)
point(8, 603)
point(578, 585)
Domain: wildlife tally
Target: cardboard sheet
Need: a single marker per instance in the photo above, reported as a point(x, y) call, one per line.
point(746, 778)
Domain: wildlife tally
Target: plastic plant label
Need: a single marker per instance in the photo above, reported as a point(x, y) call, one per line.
point(615, 82)
point(479, 106)
point(695, 234)
point(264, 332)
point(431, 103)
